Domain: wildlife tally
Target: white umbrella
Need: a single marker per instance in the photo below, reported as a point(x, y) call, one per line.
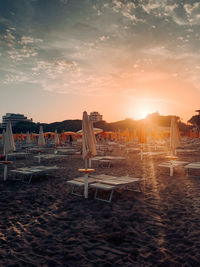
point(88, 146)
point(3, 137)
point(41, 140)
point(8, 145)
point(28, 138)
point(56, 138)
point(174, 136)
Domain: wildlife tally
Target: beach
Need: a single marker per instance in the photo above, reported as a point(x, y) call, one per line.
point(43, 224)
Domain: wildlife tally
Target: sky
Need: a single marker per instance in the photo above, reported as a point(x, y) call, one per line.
point(122, 58)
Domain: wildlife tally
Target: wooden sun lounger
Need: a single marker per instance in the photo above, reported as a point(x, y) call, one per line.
point(192, 166)
point(27, 173)
point(172, 164)
point(49, 156)
point(106, 183)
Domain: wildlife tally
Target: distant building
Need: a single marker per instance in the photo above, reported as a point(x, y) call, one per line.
point(13, 118)
point(95, 116)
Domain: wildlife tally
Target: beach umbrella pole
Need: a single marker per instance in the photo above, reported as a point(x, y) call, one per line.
point(141, 153)
point(86, 181)
point(90, 163)
point(171, 169)
point(5, 172)
point(39, 157)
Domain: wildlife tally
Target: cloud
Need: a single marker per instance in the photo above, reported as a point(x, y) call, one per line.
point(192, 8)
point(29, 40)
point(18, 78)
point(8, 39)
point(160, 51)
point(181, 14)
point(19, 48)
point(193, 13)
point(22, 53)
point(52, 69)
point(127, 9)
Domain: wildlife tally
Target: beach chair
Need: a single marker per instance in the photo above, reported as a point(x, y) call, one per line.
point(193, 167)
point(110, 183)
point(171, 165)
point(79, 183)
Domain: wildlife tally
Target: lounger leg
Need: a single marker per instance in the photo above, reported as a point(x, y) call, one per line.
point(138, 188)
point(28, 181)
point(98, 198)
point(73, 192)
point(111, 196)
point(95, 196)
point(86, 185)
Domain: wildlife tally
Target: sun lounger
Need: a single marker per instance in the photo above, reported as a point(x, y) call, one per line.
point(26, 174)
point(192, 166)
point(18, 155)
point(49, 156)
point(153, 153)
point(107, 183)
point(172, 164)
point(106, 161)
point(189, 151)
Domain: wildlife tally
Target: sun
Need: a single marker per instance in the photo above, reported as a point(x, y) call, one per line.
point(141, 111)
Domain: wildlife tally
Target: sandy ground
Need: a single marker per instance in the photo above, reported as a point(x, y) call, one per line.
point(42, 224)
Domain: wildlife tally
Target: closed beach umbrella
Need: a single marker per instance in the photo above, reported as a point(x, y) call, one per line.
point(41, 140)
point(8, 140)
point(88, 138)
point(174, 136)
point(3, 137)
point(8, 145)
point(56, 138)
point(28, 138)
point(88, 146)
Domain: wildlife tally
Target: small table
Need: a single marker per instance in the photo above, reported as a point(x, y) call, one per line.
point(86, 173)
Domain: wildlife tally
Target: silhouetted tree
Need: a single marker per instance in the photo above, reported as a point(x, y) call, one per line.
point(195, 120)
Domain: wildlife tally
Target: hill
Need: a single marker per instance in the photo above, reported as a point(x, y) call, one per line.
point(154, 119)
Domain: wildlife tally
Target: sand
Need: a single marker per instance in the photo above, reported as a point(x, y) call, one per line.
point(42, 224)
